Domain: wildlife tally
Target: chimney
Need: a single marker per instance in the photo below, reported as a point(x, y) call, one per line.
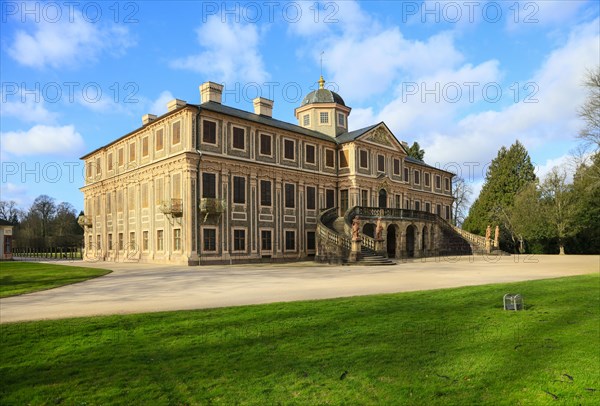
point(210, 92)
point(148, 118)
point(175, 104)
point(263, 107)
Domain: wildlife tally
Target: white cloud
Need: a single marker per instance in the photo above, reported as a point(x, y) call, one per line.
point(43, 140)
point(159, 106)
point(552, 118)
point(18, 193)
point(67, 44)
point(229, 53)
point(30, 108)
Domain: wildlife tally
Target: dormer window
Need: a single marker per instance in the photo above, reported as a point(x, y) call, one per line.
point(341, 120)
point(306, 120)
point(324, 117)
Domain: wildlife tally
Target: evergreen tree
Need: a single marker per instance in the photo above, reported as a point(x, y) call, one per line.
point(586, 189)
point(416, 152)
point(507, 174)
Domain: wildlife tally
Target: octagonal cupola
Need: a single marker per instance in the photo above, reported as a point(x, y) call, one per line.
point(324, 111)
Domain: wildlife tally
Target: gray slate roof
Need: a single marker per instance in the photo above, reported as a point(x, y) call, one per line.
point(246, 115)
point(352, 135)
point(323, 96)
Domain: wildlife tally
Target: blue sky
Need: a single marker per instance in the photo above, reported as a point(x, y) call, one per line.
point(461, 78)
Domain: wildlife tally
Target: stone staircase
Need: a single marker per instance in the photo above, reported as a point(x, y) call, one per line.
point(370, 257)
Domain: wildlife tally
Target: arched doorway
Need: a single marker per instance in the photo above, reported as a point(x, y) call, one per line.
point(382, 198)
point(369, 230)
point(391, 241)
point(410, 241)
point(424, 242)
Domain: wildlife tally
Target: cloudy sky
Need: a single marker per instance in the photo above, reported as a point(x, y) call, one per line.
point(461, 78)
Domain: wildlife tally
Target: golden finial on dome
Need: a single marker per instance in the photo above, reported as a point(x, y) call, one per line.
point(321, 83)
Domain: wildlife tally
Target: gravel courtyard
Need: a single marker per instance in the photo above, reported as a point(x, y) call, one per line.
point(136, 288)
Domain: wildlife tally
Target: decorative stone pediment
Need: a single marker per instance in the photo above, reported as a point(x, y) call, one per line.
point(380, 136)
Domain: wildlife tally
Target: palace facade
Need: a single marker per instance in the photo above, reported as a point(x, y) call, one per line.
point(209, 183)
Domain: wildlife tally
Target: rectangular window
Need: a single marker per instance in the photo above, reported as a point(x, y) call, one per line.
point(265, 240)
point(145, 240)
point(265, 145)
point(306, 120)
point(341, 120)
point(88, 169)
point(428, 207)
point(265, 193)
point(324, 117)
point(438, 209)
point(363, 159)
point(406, 175)
point(132, 152)
point(288, 149)
point(176, 184)
point(344, 200)
point(309, 153)
point(159, 240)
point(209, 239)
point(121, 242)
point(290, 240)
point(427, 179)
point(110, 161)
point(380, 163)
point(343, 159)
point(177, 239)
point(120, 157)
point(159, 139)
point(417, 176)
point(239, 190)
point(446, 183)
point(158, 197)
point(209, 185)
point(239, 138)
point(398, 201)
point(176, 137)
point(209, 132)
point(438, 182)
point(145, 146)
point(311, 240)
point(329, 158)
point(329, 198)
point(418, 205)
point(396, 167)
point(239, 240)
point(407, 204)
point(98, 167)
point(364, 198)
point(110, 246)
point(290, 195)
point(132, 240)
point(144, 195)
point(447, 208)
point(311, 198)
point(108, 202)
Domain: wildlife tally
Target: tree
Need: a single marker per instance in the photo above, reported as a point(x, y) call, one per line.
point(586, 191)
point(415, 151)
point(559, 209)
point(462, 194)
point(9, 211)
point(44, 207)
point(526, 219)
point(590, 111)
point(507, 174)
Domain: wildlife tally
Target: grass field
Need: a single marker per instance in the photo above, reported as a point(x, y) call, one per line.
point(452, 346)
point(25, 277)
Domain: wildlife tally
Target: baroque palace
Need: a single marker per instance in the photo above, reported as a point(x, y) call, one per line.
point(208, 183)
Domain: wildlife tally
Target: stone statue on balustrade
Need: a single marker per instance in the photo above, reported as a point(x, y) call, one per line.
point(379, 230)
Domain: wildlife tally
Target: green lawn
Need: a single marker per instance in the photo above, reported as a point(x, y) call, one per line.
point(452, 346)
point(25, 277)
